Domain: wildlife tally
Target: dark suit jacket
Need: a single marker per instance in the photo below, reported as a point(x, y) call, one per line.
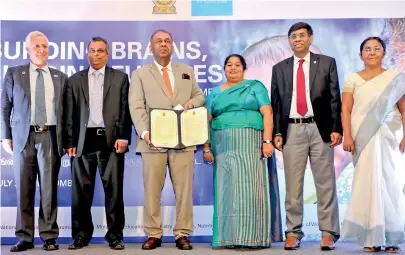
point(16, 106)
point(116, 114)
point(324, 91)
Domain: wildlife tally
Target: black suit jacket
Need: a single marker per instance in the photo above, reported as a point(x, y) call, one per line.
point(324, 91)
point(116, 114)
point(16, 106)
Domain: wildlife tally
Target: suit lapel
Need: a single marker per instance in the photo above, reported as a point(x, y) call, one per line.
point(57, 87)
point(158, 77)
point(107, 80)
point(85, 84)
point(25, 80)
point(313, 69)
point(178, 81)
point(289, 73)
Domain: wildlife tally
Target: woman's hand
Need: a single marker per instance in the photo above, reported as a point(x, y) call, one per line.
point(208, 157)
point(348, 144)
point(267, 150)
point(402, 145)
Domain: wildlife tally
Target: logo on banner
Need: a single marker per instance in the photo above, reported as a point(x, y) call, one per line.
point(211, 7)
point(164, 7)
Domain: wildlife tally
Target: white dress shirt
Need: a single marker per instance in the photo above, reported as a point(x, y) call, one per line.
point(305, 67)
point(171, 78)
point(93, 86)
point(49, 94)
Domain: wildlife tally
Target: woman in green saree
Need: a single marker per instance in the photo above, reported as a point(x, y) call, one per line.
point(241, 141)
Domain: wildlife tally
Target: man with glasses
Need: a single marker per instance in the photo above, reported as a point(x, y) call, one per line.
point(306, 103)
point(98, 131)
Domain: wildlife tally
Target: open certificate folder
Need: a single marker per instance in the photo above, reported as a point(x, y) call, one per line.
point(178, 129)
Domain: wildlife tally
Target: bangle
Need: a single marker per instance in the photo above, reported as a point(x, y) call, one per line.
point(207, 151)
point(267, 141)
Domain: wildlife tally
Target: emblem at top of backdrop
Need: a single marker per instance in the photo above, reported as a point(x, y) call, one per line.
point(164, 7)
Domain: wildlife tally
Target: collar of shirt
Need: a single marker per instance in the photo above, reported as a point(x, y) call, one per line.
point(33, 68)
point(169, 66)
point(306, 58)
point(101, 70)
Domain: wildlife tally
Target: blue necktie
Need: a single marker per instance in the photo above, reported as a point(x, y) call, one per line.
point(40, 106)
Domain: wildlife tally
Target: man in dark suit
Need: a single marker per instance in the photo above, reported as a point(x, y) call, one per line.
point(306, 103)
point(98, 128)
point(31, 130)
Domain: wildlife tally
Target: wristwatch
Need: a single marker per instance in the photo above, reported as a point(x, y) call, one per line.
point(206, 151)
point(267, 141)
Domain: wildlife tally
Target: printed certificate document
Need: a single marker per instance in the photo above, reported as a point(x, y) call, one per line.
point(177, 129)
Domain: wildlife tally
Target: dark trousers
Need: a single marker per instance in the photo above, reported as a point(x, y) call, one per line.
point(38, 158)
point(276, 221)
point(84, 168)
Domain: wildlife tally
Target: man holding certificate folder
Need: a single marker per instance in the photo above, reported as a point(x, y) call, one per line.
point(164, 85)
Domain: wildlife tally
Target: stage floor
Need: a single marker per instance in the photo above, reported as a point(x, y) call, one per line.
point(309, 248)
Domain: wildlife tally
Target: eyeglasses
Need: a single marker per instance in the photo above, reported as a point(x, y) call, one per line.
point(300, 36)
point(368, 50)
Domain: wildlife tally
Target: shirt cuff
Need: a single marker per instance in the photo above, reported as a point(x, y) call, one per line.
point(123, 140)
point(143, 134)
point(279, 134)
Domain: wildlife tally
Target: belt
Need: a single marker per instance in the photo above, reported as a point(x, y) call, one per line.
point(40, 128)
point(97, 131)
point(301, 120)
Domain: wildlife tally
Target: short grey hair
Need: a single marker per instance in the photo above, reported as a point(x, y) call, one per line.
point(34, 34)
point(99, 39)
point(158, 31)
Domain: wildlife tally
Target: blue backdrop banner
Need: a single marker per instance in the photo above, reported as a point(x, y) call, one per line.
point(203, 45)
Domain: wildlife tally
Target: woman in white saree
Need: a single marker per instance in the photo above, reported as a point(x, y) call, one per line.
point(373, 118)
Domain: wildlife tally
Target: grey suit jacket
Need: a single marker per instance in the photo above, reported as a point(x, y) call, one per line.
point(16, 106)
point(117, 120)
point(148, 90)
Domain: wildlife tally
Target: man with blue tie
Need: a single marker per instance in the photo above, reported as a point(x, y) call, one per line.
point(98, 131)
point(31, 130)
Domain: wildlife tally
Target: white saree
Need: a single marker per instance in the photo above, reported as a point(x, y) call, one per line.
point(375, 215)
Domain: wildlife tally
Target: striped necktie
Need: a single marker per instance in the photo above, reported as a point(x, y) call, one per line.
point(96, 102)
point(40, 105)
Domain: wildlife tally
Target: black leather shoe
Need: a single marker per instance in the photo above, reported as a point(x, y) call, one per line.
point(77, 243)
point(22, 246)
point(117, 245)
point(183, 243)
point(152, 243)
point(50, 245)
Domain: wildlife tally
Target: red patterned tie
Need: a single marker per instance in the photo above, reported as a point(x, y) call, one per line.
point(302, 107)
